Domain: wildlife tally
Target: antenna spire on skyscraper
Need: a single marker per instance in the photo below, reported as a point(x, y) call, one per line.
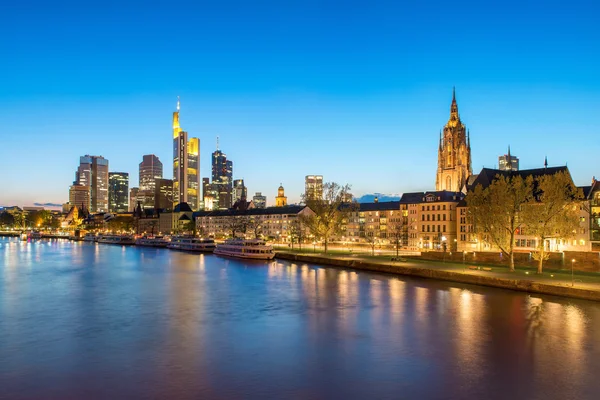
point(177, 103)
point(217, 143)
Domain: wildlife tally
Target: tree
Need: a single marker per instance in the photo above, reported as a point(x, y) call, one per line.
point(396, 233)
point(495, 211)
point(255, 225)
point(7, 219)
point(371, 238)
point(296, 230)
point(330, 212)
point(552, 212)
point(19, 217)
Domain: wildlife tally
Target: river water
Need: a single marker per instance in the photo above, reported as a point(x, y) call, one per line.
point(80, 320)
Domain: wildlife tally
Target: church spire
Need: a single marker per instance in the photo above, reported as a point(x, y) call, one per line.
point(454, 106)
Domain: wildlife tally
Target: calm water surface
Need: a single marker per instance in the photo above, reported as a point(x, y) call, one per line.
point(81, 320)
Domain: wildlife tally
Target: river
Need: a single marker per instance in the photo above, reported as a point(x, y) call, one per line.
point(81, 320)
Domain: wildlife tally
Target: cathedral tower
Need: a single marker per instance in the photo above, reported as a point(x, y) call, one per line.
point(454, 153)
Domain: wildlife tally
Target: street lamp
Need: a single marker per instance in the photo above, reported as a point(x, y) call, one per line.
point(572, 280)
point(314, 246)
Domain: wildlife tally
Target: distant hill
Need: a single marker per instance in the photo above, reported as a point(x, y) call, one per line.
point(369, 198)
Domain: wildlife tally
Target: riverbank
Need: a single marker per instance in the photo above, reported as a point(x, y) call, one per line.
point(558, 284)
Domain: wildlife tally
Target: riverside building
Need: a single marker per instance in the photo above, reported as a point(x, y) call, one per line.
point(118, 192)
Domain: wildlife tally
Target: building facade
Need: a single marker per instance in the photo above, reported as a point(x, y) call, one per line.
point(259, 200)
point(273, 223)
point(163, 194)
point(281, 199)
point(79, 196)
point(93, 173)
point(375, 222)
point(133, 198)
point(313, 187)
point(118, 192)
point(222, 178)
point(239, 191)
point(180, 159)
point(150, 169)
point(454, 153)
point(508, 162)
point(194, 196)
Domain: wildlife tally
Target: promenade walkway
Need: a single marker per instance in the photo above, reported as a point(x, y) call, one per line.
point(523, 278)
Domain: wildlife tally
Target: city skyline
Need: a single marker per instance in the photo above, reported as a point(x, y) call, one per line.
point(301, 111)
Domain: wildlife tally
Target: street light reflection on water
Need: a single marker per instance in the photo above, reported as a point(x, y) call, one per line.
point(166, 324)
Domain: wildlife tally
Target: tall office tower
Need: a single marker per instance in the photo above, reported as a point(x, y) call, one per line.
point(454, 153)
point(259, 200)
point(79, 196)
point(222, 174)
point(508, 162)
point(133, 197)
point(93, 172)
point(193, 174)
point(205, 186)
point(180, 160)
point(118, 192)
point(163, 194)
point(150, 169)
point(313, 187)
point(239, 190)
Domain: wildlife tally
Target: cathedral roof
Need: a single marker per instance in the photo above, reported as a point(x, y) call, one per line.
point(487, 175)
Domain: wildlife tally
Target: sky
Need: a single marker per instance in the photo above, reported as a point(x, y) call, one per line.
point(356, 91)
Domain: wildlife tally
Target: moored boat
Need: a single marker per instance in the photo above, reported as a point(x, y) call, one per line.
point(90, 237)
point(190, 243)
point(116, 239)
point(35, 235)
point(152, 241)
point(246, 248)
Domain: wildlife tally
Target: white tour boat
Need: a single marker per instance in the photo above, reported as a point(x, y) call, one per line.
point(35, 235)
point(246, 248)
point(90, 237)
point(190, 243)
point(152, 241)
point(116, 239)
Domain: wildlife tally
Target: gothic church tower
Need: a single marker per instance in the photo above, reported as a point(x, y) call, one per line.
point(454, 153)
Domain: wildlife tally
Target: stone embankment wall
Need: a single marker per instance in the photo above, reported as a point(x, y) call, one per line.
point(474, 279)
point(588, 261)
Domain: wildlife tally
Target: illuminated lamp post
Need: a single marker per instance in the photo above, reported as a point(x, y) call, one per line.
point(572, 280)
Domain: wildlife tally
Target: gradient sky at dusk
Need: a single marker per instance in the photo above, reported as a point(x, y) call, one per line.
point(355, 91)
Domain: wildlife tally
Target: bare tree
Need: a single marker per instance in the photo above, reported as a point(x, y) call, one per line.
point(495, 210)
point(371, 238)
point(330, 212)
point(553, 212)
point(396, 233)
point(296, 229)
point(255, 226)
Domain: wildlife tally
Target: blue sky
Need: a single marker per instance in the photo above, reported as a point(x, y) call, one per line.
point(355, 91)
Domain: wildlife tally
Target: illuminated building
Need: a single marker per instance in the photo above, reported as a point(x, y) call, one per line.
point(271, 222)
point(133, 195)
point(508, 162)
point(239, 191)
point(280, 200)
point(79, 196)
point(259, 200)
point(222, 178)
point(313, 187)
point(150, 169)
point(93, 173)
point(193, 173)
point(454, 153)
point(118, 192)
point(180, 160)
point(163, 194)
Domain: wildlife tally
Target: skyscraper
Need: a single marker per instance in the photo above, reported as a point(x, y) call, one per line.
point(180, 160)
point(163, 194)
point(454, 153)
point(133, 197)
point(508, 162)
point(118, 192)
point(313, 187)
point(193, 174)
point(239, 191)
point(259, 200)
point(93, 173)
point(79, 196)
point(150, 169)
point(222, 177)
